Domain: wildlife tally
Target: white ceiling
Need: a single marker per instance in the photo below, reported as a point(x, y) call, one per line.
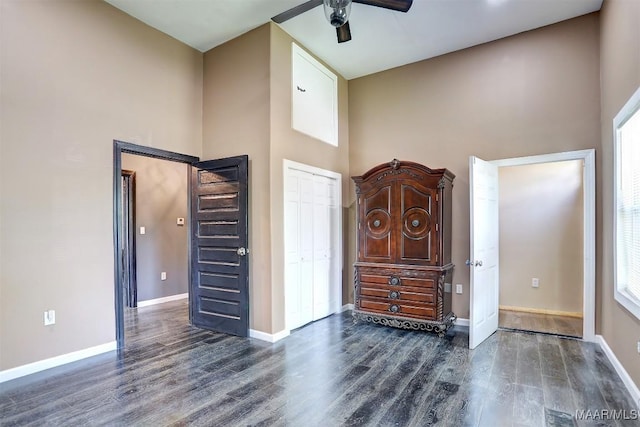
point(382, 39)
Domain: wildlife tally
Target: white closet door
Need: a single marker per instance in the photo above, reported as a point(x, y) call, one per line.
point(335, 263)
point(313, 271)
point(321, 246)
point(306, 282)
point(292, 249)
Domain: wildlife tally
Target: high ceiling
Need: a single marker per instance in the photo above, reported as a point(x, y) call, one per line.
point(382, 39)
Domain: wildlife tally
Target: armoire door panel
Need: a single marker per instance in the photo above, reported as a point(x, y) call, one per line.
point(417, 234)
point(377, 223)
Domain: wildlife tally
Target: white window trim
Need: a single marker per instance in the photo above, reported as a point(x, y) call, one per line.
point(621, 294)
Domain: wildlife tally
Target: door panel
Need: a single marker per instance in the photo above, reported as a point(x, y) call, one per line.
point(376, 239)
point(219, 270)
point(321, 247)
point(417, 227)
point(484, 277)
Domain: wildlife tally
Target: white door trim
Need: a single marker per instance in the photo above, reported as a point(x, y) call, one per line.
point(336, 286)
point(589, 232)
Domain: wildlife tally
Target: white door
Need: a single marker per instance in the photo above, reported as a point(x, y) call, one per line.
point(321, 247)
point(299, 248)
point(483, 261)
point(313, 273)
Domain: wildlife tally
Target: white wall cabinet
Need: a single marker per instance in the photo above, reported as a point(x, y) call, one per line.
point(314, 109)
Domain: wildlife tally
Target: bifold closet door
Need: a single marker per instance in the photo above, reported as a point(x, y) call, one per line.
point(321, 246)
point(310, 224)
point(299, 248)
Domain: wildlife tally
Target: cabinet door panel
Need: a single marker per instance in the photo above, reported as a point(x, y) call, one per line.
point(376, 242)
point(417, 223)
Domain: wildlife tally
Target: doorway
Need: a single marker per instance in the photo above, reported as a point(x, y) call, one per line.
point(120, 232)
point(217, 255)
point(312, 243)
point(541, 245)
point(484, 288)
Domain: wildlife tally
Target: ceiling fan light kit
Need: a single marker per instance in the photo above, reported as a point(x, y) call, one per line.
point(337, 12)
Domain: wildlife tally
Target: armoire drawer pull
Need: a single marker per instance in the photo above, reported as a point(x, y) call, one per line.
point(394, 308)
point(394, 294)
point(393, 280)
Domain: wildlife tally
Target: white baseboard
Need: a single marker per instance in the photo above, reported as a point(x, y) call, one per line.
point(347, 307)
point(161, 300)
point(263, 336)
point(461, 322)
point(624, 375)
point(63, 359)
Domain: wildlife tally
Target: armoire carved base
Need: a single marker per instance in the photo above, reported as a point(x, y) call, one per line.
point(439, 328)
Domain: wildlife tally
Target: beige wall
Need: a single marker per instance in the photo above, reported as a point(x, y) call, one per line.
point(533, 93)
point(292, 145)
point(236, 122)
point(75, 76)
point(620, 76)
point(247, 110)
point(161, 198)
point(541, 229)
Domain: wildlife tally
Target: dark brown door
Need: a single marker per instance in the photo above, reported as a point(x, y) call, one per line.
point(220, 265)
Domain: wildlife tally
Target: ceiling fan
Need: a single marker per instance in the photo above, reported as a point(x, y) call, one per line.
point(337, 12)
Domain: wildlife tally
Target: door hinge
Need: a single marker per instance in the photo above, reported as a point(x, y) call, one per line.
point(436, 197)
point(437, 227)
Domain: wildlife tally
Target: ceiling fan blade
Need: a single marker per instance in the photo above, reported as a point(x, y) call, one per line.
point(399, 5)
point(295, 11)
point(344, 33)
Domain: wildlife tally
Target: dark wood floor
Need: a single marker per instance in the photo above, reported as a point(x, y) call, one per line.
point(328, 373)
point(547, 323)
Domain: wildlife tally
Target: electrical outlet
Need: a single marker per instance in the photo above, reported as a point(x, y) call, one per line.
point(163, 275)
point(49, 317)
point(458, 288)
point(535, 282)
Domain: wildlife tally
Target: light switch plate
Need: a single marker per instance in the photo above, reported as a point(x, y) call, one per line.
point(142, 230)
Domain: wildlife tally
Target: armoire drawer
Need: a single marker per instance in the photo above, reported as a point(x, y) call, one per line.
point(399, 277)
point(398, 308)
point(400, 293)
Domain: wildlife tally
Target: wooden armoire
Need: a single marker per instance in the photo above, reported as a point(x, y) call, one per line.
point(403, 266)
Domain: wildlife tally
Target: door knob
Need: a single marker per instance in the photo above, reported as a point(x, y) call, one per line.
point(242, 251)
point(474, 263)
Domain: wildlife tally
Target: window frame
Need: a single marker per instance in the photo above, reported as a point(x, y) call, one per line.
point(621, 293)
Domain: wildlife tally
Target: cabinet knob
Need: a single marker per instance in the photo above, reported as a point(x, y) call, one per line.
point(394, 294)
point(394, 308)
point(393, 280)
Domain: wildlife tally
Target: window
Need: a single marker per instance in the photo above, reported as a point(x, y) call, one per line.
point(626, 128)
